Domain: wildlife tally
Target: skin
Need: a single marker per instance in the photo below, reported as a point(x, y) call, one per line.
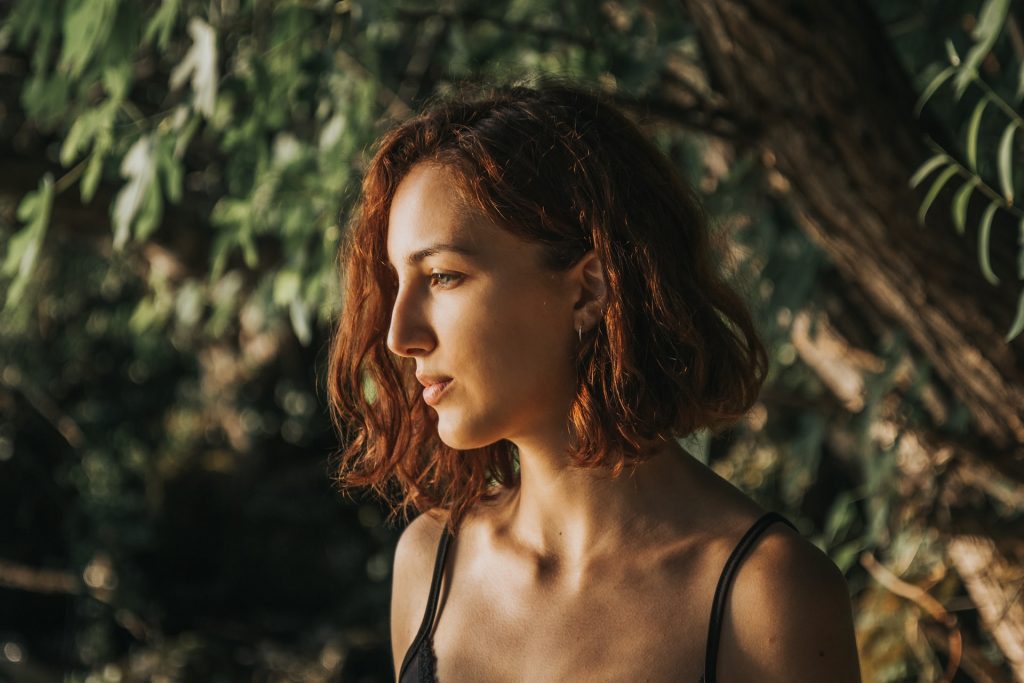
point(576, 575)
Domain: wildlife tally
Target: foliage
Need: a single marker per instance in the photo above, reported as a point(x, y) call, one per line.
point(992, 23)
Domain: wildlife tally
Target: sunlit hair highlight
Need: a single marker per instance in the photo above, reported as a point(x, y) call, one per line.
point(676, 351)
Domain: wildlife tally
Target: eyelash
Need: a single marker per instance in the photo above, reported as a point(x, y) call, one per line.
point(452, 278)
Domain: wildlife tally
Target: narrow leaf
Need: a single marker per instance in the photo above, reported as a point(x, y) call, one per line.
point(972, 131)
point(160, 25)
point(927, 167)
point(139, 166)
point(91, 177)
point(1020, 252)
point(983, 234)
point(964, 75)
point(934, 192)
point(954, 58)
point(960, 202)
point(935, 84)
point(1018, 322)
point(22, 249)
point(87, 24)
point(1005, 150)
point(299, 313)
point(991, 20)
point(200, 63)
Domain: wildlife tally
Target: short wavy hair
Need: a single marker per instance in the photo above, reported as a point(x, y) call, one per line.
point(676, 351)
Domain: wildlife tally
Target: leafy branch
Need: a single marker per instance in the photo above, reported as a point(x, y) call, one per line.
point(993, 17)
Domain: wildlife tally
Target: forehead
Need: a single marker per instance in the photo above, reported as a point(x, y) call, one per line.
point(428, 209)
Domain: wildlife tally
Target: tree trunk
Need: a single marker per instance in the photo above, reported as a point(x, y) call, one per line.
point(816, 90)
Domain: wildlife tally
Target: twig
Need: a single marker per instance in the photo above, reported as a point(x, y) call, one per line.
point(45, 406)
point(925, 601)
point(31, 579)
point(25, 578)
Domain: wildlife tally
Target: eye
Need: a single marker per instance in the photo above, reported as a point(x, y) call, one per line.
point(444, 280)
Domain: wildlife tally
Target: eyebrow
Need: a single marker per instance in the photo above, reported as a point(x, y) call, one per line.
point(417, 256)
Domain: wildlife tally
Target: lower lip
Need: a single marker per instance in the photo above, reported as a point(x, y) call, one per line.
point(434, 392)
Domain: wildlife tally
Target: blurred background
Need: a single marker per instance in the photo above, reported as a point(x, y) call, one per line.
point(175, 177)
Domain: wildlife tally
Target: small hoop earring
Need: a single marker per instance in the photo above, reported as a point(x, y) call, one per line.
point(579, 331)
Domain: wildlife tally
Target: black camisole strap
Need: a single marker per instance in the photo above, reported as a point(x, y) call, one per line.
point(435, 589)
point(725, 582)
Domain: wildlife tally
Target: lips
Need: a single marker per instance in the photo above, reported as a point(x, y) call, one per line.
point(432, 393)
point(427, 380)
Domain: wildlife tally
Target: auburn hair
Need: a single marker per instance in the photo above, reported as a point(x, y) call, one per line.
point(676, 351)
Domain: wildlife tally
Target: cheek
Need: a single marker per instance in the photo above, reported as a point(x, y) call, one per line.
point(527, 343)
point(515, 357)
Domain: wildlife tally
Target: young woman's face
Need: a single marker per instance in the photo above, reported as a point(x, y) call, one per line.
point(492, 318)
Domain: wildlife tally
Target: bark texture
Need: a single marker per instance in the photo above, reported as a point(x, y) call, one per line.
point(826, 101)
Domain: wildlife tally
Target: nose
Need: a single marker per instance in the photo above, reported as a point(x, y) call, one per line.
point(409, 333)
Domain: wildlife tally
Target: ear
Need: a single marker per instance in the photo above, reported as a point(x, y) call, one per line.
point(590, 289)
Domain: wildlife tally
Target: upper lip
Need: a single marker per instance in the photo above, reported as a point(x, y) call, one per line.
point(427, 380)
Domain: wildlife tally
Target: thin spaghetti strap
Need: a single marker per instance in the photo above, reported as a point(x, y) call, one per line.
point(432, 598)
point(725, 582)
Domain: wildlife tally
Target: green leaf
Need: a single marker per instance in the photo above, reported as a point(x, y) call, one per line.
point(840, 518)
point(954, 58)
point(991, 20)
point(93, 171)
point(846, 554)
point(150, 212)
point(184, 132)
point(286, 287)
point(965, 74)
point(1005, 151)
point(171, 170)
point(983, 234)
point(45, 98)
point(161, 24)
point(972, 131)
point(299, 314)
point(935, 84)
point(1020, 251)
point(960, 202)
point(934, 192)
point(32, 23)
point(200, 62)
point(219, 252)
point(87, 25)
point(117, 80)
point(1018, 322)
point(88, 126)
point(23, 248)
point(139, 166)
point(927, 167)
point(249, 251)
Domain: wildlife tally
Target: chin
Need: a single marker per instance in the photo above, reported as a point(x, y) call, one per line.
point(459, 437)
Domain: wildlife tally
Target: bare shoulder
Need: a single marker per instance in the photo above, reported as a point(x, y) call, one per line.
point(788, 617)
point(413, 567)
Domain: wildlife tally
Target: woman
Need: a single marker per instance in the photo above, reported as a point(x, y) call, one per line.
point(532, 320)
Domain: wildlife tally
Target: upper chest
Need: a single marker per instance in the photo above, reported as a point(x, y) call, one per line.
point(644, 619)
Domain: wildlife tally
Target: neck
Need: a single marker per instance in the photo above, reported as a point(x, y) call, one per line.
point(571, 517)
